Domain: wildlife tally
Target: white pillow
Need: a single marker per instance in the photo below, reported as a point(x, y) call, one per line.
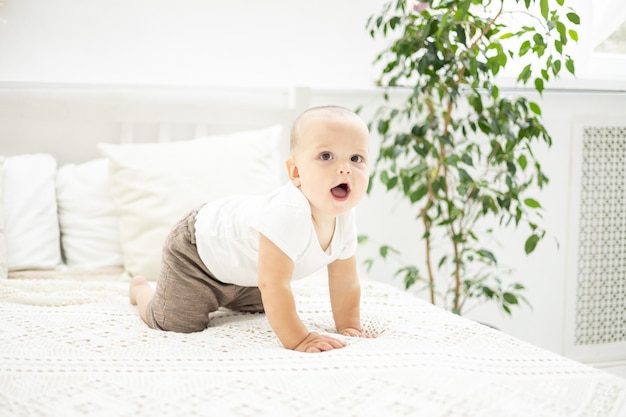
point(155, 184)
point(90, 236)
point(3, 252)
point(31, 227)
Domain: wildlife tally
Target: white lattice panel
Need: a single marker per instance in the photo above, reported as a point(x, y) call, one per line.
point(596, 319)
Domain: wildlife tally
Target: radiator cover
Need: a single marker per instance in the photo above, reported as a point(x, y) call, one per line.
point(596, 280)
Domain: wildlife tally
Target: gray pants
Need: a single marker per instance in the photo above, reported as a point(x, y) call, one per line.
point(187, 291)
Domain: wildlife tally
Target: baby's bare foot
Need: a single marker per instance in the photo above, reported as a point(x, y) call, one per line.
point(135, 283)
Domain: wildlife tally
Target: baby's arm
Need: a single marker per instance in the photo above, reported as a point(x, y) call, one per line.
point(345, 296)
point(275, 271)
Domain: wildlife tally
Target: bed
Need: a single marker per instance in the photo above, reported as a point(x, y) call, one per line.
point(91, 172)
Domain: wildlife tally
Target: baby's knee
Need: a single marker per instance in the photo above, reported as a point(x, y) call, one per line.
point(185, 327)
point(174, 323)
point(176, 326)
point(159, 318)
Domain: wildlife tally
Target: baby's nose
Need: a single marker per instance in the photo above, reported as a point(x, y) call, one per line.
point(344, 169)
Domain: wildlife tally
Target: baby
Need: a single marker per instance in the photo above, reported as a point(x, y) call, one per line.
point(242, 252)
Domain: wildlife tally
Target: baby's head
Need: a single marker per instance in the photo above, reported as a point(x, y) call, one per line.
point(317, 114)
point(329, 158)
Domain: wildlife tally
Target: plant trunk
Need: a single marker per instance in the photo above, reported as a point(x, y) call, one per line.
point(429, 267)
point(457, 278)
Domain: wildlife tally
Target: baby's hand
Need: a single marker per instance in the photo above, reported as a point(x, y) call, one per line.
point(349, 331)
point(315, 342)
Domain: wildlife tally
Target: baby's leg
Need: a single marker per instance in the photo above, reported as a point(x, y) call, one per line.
point(185, 292)
point(140, 294)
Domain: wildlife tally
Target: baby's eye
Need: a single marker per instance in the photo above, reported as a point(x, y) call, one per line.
point(356, 158)
point(326, 156)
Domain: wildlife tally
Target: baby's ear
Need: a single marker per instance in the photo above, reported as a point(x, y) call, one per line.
point(292, 171)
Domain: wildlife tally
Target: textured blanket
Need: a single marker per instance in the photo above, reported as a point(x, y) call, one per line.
point(74, 348)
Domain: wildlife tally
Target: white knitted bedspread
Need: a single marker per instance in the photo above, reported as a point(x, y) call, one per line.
point(71, 348)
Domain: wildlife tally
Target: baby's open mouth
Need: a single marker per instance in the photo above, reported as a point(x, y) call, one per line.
point(340, 191)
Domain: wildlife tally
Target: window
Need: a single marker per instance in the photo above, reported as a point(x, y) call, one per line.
point(600, 55)
point(615, 43)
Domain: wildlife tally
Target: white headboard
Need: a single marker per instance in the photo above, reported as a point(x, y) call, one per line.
point(68, 120)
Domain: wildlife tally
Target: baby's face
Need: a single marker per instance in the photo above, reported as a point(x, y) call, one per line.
point(331, 165)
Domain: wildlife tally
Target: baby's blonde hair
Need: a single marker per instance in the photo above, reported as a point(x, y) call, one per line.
point(327, 110)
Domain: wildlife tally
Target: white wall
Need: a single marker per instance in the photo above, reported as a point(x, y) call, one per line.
point(196, 42)
point(320, 43)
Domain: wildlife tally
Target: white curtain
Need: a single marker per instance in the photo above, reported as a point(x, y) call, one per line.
point(606, 17)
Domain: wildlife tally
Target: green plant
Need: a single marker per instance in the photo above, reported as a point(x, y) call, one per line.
point(456, 148)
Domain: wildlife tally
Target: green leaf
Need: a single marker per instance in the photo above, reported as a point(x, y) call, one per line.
point(510, 166)
point(558, 45)
point(525, 74)
point(539, 85)
point(385, 249)
point(495, 91)
point(531, 244)
point(418, 194)
point(368, 264)
point(532, 203)
point(484, 126)
point(488, 254)
point(561, 28)
point(544, 8)
point(573, 35)
point(488, 292)
point(362, 239)
point(524, 48)
point(460, 33)
point(504, 203)
point(467, 159)
point(394, 21)
point(510, 298)
point(392, 183)
point(506, 309)
point(464, 176)
point(535, 108)
point(411, 275)
point(439, 184)
point(574, 18)
point(569, 64)
point(383, 127)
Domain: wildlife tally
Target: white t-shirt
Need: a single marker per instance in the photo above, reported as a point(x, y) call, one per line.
point(227, 234)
